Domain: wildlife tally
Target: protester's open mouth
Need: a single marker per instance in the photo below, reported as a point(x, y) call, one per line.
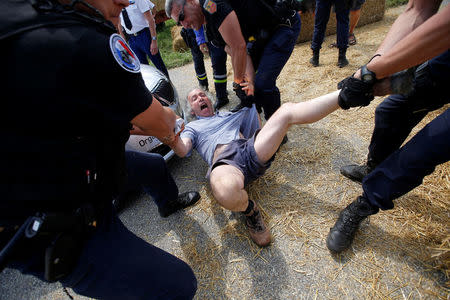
point(203, 106)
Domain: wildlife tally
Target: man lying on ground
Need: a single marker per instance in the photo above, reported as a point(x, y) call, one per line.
point(238, 151)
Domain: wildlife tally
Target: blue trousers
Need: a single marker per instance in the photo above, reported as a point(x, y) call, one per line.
point(274, 56)
point(116, 264)
point(406, 167)
point(148, 171)
point(397, 115)
point(322, 15)
point(141, 46)
point(218, 61)
point(401, 169)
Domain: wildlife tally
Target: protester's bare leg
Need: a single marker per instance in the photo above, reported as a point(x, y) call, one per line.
point(227, 184)
point(354, 18)
point(269, 138)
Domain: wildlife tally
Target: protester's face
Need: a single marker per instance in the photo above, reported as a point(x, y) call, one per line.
point(110, 8)
point(189, 14)
point(200, 104)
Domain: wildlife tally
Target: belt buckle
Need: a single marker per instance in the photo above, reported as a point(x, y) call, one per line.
point(135, 34)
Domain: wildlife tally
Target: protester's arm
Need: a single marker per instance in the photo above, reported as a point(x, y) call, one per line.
point(230, 30)
point(182, 146)
point(426, 41)
point(152, 27)
point(157, 121)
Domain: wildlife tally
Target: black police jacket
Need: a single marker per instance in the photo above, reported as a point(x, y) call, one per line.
point(71, 88)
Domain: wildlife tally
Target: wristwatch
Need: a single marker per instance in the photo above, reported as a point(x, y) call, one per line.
point(367, 75)
point(154, 38)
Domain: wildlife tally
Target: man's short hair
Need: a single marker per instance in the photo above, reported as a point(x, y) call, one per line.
point(169, 6)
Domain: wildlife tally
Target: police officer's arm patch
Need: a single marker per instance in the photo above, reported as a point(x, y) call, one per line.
point(123, 54)
point(210, 6)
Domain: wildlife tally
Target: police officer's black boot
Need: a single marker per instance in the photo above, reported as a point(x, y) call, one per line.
point(358, 172)
point(343, 232)
point(342, 59)
point(222, 101)
point(203, 84)
point(184, 200)
point(315, 58)
point(221, 93)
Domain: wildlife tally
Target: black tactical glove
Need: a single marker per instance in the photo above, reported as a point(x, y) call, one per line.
point(237, 88)
point(246, 101)
point(341, 83)
point(355, 92)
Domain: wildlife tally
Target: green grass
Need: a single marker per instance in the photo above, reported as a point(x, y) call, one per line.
point(171, 58)
point(392, 3)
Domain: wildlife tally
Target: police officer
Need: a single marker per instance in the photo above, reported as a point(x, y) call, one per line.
point(392, 171)
point(195, 40)
point(140, 28)
point(321, 18)
point(270, 32)
point(75, 88)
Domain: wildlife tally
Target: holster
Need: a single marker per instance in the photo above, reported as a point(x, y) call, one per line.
point(67, 233)
point(61, 255)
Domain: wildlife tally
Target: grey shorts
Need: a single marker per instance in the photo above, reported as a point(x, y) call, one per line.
point(242, 155)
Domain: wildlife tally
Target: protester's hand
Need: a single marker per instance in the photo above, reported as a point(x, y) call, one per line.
point(154, 47)
point(204, 48)
point(354, 93)
point(179, 126)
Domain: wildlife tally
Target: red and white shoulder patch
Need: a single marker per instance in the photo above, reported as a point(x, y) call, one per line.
point(123, 54)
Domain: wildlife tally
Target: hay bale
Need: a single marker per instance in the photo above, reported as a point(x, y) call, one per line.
point(178, 44)
point(159, 5)
point(371, 11)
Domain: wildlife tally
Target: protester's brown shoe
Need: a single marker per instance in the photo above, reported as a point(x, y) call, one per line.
point(256, 228)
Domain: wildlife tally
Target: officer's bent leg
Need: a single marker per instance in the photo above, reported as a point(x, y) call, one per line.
point(149, 171)
point(395, 117)
point(116, 264)
point(405, 169)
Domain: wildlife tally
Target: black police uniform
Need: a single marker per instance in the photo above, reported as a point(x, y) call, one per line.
point(74, 86)
point(270, 37)
point(402, 168)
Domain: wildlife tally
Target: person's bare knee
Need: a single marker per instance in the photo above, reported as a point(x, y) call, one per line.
point(227, 184)
point(284, 113)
